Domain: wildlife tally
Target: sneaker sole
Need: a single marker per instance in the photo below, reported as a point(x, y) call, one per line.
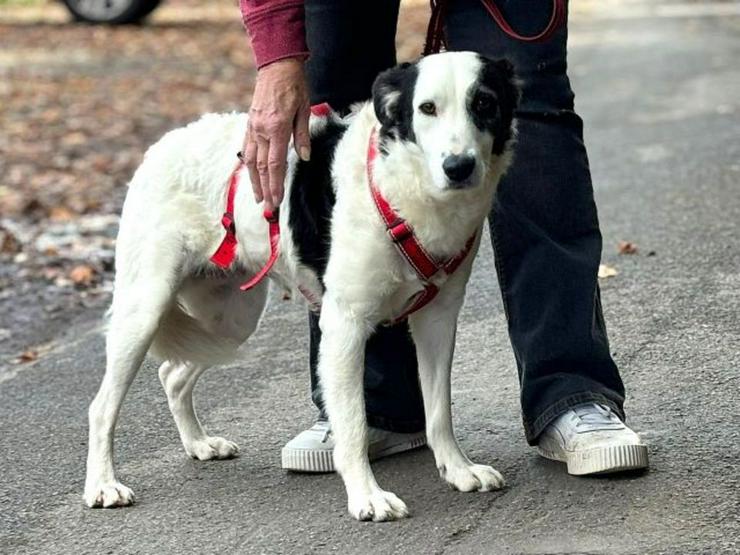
point(604, 460)
point(304, 460)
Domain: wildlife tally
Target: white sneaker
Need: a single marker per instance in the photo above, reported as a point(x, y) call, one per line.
point(312, 449)
point(591, 439)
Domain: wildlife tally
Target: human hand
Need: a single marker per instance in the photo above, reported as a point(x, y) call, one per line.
point(280, 108)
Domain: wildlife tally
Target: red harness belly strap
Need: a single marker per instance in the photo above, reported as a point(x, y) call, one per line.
point(273, 221)
point(408, 245)
point(226, 251)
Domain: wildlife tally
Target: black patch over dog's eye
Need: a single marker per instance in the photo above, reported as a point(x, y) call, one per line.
point(493, 99)
point(428, 108)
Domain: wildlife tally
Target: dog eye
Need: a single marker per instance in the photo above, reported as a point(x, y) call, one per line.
point(483, 103)
point(428, 108)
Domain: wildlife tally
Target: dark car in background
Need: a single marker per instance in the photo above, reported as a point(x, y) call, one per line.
point(112, 12)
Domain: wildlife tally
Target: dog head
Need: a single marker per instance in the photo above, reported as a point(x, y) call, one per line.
point(454, 109)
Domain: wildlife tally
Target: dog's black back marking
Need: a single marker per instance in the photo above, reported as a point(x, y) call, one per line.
point(312, 199)
point(393, 100)
point(492, 101)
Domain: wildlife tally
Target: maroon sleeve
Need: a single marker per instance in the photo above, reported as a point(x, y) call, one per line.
point(276, 29)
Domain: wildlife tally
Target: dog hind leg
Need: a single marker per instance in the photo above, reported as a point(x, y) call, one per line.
point(178, 380)
point(219, 318)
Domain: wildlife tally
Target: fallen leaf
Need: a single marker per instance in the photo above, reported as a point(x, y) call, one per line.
point(9, 243)
point(74, 138)
point(607, 271)
point(61, 214)
point(626, 247)
point(82, 275)
point(27, 356)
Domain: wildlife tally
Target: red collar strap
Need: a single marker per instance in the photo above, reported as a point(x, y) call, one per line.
point(408, 245)
point(226, 251)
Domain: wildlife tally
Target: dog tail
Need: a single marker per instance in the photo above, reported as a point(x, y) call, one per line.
point(182, 338)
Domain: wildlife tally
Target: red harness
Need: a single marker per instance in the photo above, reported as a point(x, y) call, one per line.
point(399, 230)
point(402, 235)
point(226, 251)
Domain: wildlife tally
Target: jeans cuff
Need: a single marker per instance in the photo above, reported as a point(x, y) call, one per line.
point(397, 426)
point(383, 423)
point(533, 429)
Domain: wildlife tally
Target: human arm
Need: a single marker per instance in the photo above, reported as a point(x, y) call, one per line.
point(280, 105)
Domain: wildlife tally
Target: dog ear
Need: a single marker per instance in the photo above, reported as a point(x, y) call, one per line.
point(393, 93)
point(508, 85)
point(500, 75)
point(513, 84)
point(505, 67)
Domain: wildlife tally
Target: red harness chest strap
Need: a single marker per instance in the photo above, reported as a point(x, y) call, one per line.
point(408, 245)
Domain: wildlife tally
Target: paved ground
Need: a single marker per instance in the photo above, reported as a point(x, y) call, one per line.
point(659, 95)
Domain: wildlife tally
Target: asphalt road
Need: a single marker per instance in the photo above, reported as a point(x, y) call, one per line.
point(659, 93)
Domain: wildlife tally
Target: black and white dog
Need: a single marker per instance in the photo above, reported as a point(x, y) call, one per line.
point(440, 132)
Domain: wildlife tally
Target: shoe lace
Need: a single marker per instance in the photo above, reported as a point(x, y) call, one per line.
point(594, 416)
point(325, 428)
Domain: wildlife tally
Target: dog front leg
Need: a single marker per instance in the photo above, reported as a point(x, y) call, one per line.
point(341, 369)
point(433, 330)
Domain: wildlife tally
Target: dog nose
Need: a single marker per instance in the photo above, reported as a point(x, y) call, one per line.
point(458, 167)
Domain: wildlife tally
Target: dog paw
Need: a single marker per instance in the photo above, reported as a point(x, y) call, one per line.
point(472, 477)
point(378, 506)
point(212, 447)
point(108, 495)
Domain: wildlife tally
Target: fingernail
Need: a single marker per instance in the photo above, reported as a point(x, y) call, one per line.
point(305, 153)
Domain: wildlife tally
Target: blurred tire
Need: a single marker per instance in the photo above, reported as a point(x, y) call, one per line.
point(113, 12)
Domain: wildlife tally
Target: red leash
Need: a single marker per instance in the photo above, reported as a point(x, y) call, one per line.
point(402, 235)
point(436, 39)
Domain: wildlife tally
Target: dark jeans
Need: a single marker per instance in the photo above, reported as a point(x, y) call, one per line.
point(544, 224)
